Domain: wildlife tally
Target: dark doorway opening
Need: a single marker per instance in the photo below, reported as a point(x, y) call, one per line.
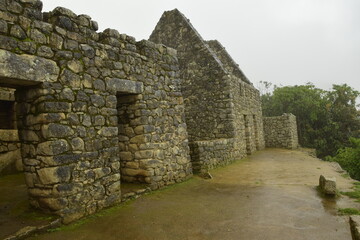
point(256, 130)
point(15, 210)
point(129, 124)
point(247, 134)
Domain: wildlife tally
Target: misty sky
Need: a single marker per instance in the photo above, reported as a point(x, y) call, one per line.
point(286, 42)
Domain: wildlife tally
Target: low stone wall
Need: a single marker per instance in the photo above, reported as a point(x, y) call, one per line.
point(281, 131)
point(10, 155)
point(209, 154)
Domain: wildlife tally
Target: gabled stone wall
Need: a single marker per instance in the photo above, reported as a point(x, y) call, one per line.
point(71, 84)
point(281, 131)
point(204, 86)
point(218, 96)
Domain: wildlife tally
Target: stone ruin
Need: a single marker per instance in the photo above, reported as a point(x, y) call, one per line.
point(222, 108)
point(90, 110)
point(281, 131)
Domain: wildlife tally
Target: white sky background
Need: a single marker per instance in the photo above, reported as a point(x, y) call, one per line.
point(285, 42)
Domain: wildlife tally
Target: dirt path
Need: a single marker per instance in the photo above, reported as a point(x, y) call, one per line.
point(269, 196)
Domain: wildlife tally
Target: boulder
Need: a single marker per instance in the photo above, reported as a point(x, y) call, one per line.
point(327, 185)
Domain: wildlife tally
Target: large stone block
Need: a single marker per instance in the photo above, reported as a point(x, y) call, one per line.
point(54, 130)
point(50, 148)
point(108, 131)
point(9, 135)
point(25, 70)
point(327, 185)
point(54, 174)
point(124, 86)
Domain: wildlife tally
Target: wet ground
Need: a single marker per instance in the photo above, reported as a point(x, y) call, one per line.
point(15, 211)
point(271, 195)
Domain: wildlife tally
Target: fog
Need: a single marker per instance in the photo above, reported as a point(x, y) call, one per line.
point(285, 42)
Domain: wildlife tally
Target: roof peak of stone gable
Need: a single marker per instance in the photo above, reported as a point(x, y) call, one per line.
point(215, 49)
point(226, 59)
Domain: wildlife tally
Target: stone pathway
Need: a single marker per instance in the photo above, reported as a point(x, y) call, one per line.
point(271, 195)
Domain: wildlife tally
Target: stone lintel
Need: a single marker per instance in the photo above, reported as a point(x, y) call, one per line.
point(26, 70)
point(125, 86)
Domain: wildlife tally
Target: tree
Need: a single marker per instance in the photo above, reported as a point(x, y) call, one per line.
point(349, 158)
point(326, 119)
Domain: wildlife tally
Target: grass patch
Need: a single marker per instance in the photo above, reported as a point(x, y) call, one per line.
point(348, 211)
point(357, 184)
point(355, 193)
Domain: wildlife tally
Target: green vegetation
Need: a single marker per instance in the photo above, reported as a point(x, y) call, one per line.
point(348, 211)
point(349, 158)
point(327, 120)
point(355, 193)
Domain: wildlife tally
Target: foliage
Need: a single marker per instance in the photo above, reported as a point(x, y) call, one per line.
point(326, 119)
point(349, 159)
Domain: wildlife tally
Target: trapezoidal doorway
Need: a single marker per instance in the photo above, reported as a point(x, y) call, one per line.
point(134, 176)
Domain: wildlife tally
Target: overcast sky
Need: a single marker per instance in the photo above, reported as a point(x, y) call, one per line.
point(286, 42)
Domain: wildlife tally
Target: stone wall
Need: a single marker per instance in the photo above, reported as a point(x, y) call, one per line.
point(218, 96)
point(97, 109)
point(203, 85)
point(281, 131)
point(207, 155)
point(91, 107)
point(10, 155)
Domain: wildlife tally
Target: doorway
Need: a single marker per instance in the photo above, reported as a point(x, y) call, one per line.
point(131, 130)
point(247, 134)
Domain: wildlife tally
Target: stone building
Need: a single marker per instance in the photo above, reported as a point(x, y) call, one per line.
point(222, 108)
point(91, 110)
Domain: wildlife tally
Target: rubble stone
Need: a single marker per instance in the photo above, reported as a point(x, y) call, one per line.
point(327, 185)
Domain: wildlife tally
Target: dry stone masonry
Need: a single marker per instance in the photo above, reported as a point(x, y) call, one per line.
point(281, 131)
point(91, 110)
point(222, 108)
